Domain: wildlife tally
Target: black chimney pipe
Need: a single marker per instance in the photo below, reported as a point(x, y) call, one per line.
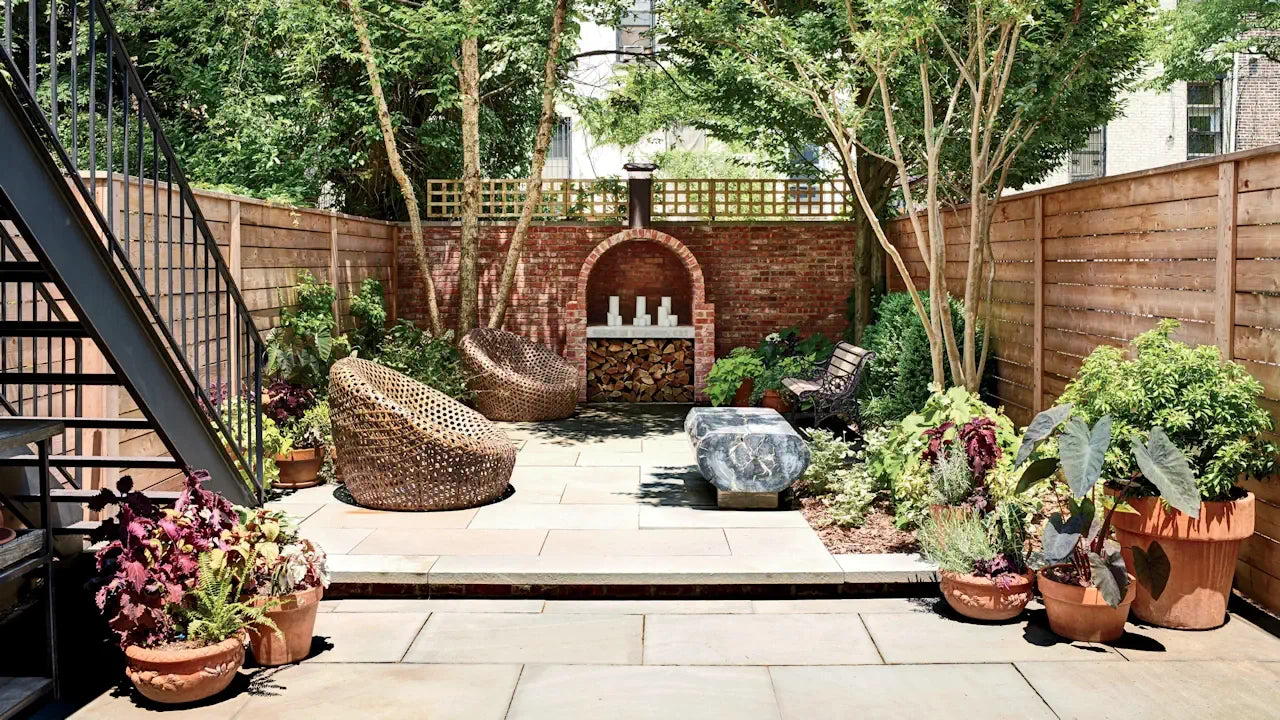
point(639, 194)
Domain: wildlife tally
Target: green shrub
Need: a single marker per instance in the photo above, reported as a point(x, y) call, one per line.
point(852, 493)
point(302, 349)
point(828, 455)
point(897, 463)
point(430, 360)
point(771, 377)
point(728, 373)
point(897, 380)
point(1208, 407)
point(368, 307)
point(951, 481)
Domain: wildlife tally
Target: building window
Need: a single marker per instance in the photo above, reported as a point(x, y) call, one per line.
point(1204, 119)
point(1090, 161)
point(560, 154)
point(635, 35)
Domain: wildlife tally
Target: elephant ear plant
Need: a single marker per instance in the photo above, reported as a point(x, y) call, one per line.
point(1079, 541)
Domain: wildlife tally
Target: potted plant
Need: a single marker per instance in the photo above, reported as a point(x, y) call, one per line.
point(769, 391)
point(1086, 586)
point(166, 592)
point(960, 457)
point(287, 578)
point(732, 378)
point(1208, 408)
point(310, 436)
point(981, 561)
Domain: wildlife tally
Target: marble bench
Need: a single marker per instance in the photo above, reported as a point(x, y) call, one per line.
point(749, 454)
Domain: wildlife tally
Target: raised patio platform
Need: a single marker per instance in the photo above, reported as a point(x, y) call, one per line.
point(608, 502)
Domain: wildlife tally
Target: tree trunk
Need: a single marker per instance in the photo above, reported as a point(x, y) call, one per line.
point(397, 168)
point(533, 194)
point(468, 283)
point(869, 258)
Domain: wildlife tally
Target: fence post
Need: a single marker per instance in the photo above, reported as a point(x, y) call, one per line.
point(1037, 342)
point(333, 265)
point(1224, 317)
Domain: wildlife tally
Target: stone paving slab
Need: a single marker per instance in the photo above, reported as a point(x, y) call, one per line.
point(643, 693)
point(844, 605)
point(649, 607)
point(1239, 639)
point(340, 515)
point(1169, 691)
point(757, 640)
point(442, 541)
point(556, 517)
point(423, 605)
point(956, 692)
point(528, 638)
point(874, 568)
point(634, 570)
point(380, 637)
point(693, 517)
point(387, 692)
point(613, 543)
point(921, 638)
point(358, 569)
point(336, 541)
point(775, 541)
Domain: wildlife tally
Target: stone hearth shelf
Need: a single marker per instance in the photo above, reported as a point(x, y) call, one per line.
point(639, 332)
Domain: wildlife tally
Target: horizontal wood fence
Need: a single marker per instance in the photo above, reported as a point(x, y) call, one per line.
point(672, 199)
point(1099, 262)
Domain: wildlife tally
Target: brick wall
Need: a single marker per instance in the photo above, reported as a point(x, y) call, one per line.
point(1258, 122)
point(760, 276)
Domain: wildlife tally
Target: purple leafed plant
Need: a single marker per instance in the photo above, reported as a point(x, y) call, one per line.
point(287, 401)
point(151, 556)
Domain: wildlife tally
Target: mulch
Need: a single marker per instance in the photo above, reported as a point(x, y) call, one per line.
point(877, 534)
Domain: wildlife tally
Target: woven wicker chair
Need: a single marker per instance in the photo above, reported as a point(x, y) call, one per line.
point(518, 380)
point(404, 446)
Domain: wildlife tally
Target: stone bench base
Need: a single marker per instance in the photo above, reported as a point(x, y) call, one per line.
point(731, 500)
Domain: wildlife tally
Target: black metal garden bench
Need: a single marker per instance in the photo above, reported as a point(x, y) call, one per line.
point(833, 389)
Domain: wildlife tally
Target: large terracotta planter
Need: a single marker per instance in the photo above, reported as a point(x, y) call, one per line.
point(982, 599)
point(299, 468)
point(742, 397)
point(1080, 613)
point(1202, 558)
point(296, 617)
point(773, 399)
point(187, 675)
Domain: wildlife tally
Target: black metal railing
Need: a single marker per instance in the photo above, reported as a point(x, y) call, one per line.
point(82, 92)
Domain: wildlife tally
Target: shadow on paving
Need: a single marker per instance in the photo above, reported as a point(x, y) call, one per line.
point(605, 422)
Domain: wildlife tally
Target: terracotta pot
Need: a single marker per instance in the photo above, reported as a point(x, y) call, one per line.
point(1080, 613)
point(773, 399)
point(300, 468)
point(296, 618)
point(742, 398)
point(982, 599)
point(184, 675)
point(1202, 558)
point(945, 513)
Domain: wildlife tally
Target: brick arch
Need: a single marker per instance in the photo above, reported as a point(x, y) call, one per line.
point(704, 322)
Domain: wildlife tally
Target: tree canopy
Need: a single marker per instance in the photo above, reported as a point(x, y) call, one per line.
point(271, 97)
point(1198, 39)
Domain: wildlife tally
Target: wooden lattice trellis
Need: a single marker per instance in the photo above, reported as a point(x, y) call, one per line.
point(675, 199)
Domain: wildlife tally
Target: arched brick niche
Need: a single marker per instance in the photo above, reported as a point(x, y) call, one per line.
point(654, 251)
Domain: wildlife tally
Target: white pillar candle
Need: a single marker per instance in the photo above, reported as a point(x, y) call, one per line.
point(640, 306)
point(666, 302)
point(674, 320)
point(662, 316)
point(613, 305)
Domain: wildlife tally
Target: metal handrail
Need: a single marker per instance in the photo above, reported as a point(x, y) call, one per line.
point(112, 88)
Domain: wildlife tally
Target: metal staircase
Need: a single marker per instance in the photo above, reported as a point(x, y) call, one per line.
point(113, 288)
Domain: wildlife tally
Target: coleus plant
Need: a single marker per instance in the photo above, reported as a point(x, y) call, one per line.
point(279, 561)
point(977, 440)
point(1079, 540)
point(151, 559)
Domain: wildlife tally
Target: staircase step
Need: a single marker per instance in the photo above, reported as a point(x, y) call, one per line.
point(43, 328)
point(92, 422)
point(54, 378)
point(92, 461)
point(70, 495)
point(24, 271)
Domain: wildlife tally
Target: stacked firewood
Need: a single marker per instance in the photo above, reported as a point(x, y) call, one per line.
point(652, 370)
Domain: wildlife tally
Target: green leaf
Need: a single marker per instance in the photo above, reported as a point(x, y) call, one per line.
point(1060, 536)
point(1109, 576)
point(1164, 466)
point(1082, 451)
point(1151, 567)
point(1041, 426)
point(1035, 472)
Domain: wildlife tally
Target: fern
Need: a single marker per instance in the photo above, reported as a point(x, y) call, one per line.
point(212, 611)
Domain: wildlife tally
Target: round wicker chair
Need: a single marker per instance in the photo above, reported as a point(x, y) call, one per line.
point(518, 380)
point(404, 446)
